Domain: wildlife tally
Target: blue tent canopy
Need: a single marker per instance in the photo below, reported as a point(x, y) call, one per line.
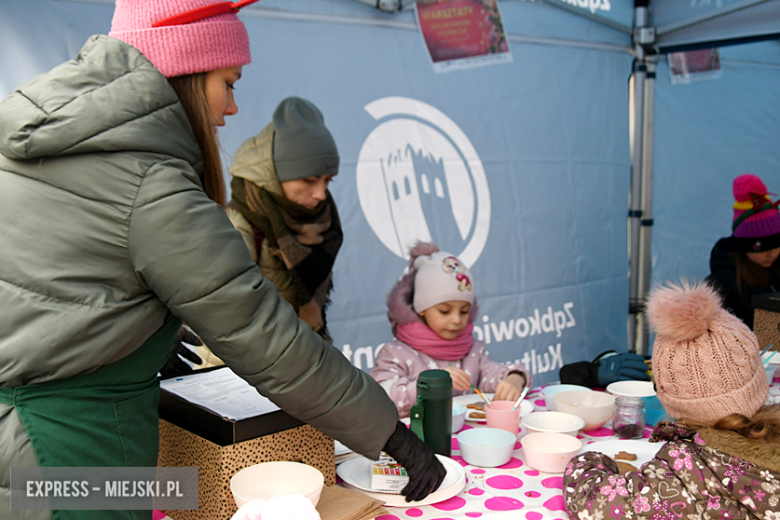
point(526, 169)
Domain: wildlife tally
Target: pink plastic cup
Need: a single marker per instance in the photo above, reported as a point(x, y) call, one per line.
point(499, 414)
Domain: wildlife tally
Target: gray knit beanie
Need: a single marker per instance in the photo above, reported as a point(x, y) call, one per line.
point(303, 147)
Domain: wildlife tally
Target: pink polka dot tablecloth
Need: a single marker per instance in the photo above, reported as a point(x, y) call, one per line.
point(512, 491)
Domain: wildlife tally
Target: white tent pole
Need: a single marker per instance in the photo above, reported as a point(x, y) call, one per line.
point(635, 197)
point(708, 16)
point(646, 227)
point(642, 35)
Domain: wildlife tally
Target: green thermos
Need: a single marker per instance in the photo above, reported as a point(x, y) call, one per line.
point(431, 417)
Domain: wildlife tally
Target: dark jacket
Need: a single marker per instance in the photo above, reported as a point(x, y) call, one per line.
point(723, 276)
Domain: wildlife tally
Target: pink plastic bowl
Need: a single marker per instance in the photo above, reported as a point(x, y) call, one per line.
point(550, 452)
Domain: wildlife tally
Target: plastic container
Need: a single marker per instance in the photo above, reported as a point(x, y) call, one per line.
point(269, 479)
point(550, 452)
point(654, 411)
point(550, 391)
point(552, 422)
point(434, 393)
point(486, 447)
point(499, 414)
point(458, 417)
point(595, 408)
point(769, 370)
point(629, 420)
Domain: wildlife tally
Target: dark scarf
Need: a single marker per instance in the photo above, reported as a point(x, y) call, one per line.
point(307, 241)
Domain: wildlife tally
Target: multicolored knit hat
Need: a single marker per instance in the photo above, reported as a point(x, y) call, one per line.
point(184, 36)
point(756, 225)
point(706, 362)
point(441, 277)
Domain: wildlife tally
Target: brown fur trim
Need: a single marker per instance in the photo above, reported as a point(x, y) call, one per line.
point(759, 452)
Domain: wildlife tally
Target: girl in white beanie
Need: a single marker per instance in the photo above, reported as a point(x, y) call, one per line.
point(432, 309)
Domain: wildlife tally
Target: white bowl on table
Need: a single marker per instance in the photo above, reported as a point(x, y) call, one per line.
point(552, 422)
point(486, 447)
point(268, 479)
point(458, 417)
point(549, 393)
point(595, 408)
point(550, 452)
point(631, 389)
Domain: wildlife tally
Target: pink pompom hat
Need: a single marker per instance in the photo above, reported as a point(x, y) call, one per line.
point(706, 362)
point(756, 225)
point(184, 36)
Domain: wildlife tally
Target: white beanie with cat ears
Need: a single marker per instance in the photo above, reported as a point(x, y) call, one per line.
point(441, 277)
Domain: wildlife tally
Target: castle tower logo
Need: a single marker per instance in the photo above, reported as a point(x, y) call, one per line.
point(420, 178)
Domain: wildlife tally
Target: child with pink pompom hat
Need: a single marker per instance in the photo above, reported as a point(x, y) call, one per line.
point(721, 458)
point(747, 263)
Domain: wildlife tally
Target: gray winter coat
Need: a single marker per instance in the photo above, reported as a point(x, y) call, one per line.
point(107, 229)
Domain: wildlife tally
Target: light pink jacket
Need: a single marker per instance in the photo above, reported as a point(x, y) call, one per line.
point(398, 365)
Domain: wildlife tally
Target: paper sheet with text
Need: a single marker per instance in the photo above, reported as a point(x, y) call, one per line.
point(222, 392)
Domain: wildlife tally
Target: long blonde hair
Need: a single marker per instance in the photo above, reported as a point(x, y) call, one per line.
point(764, 424)
point(191, 89)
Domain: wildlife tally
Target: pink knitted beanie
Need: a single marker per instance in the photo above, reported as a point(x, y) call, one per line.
point(212, 43)
point(706, 362)
point(756, 224)
point(441, 277)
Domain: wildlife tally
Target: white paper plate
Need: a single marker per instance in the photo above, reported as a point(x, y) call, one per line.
point(356, 474)
point(341, 449)
point(526, 406)
point(632, 388)
point(644, 451)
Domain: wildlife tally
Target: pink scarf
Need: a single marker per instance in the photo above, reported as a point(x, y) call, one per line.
point(421, 338)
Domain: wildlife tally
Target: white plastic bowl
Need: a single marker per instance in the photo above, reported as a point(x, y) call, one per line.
point(595, 408)
point(552, 422)
point(550, 391)
point(550, 452)
point(458, 417)
point(269, 479)
point(486, 447)
point(631, 389)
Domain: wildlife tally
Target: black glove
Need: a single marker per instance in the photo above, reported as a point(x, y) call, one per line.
point(175, 366)
point(425, 471)
point(622, 367)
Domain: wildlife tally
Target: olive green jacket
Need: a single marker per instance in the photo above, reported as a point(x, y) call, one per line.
point(107, 230)
point(254, 162)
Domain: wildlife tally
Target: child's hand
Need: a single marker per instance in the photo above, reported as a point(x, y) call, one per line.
point(460, 379)
point(510, 388)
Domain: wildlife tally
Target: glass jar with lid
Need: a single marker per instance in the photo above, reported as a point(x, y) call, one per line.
point(629, 419)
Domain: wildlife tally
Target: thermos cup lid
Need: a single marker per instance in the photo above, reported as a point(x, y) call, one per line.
point(434, 384)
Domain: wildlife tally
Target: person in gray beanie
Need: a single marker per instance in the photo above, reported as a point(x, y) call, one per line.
point(281, 204)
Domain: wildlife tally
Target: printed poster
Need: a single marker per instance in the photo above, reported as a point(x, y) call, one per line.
point(462, 33)
point(690, 66)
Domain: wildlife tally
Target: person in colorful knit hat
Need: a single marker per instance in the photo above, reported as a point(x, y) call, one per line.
point(721, 456)
point(746, 263)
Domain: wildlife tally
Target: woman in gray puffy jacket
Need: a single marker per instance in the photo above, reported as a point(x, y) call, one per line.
point(113, 233)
